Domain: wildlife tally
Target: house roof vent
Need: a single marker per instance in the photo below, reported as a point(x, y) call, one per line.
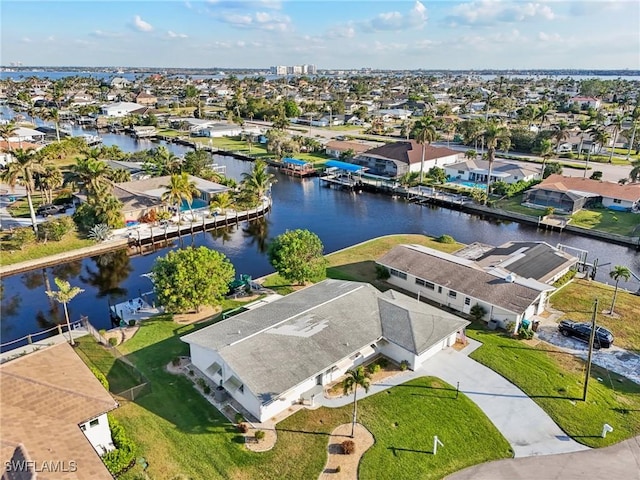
point(510, 278)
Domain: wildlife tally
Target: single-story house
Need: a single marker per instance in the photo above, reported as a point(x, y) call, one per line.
point(570, 194)
point(135, 169)
point(146, 99)
point(460, 283)
point(394, 114)
point(218, 130)
point(335, 148)
point(6, 148)
point(120, 109)
point(590, 102)
point(54, 411)
point(120, 82)
point(478, 170)
point(284, 352)
point(139, 197)
point(23, 134)
point(396, 159)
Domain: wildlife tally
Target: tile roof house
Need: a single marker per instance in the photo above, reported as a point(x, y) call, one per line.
point(335, 148)
point(459, 283)
point(54, 412)
point(396, 159)
point(477, 170)
point(570, 194)
point(284, 352)
point(146, 99)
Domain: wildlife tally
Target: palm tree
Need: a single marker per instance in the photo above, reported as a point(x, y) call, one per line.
point(546, 152)
point(64, 295)
point(617, 126)
point(91, 173)
point(494, 134)
point(634, 174)
point(355, 378)
point(23, 170)
point(424, 133)
point(180, 188)
point(6, 132)
point(223, 201)
point(601, 137)
point(635, 117)
point(585, 127)
point(618, 272)
point(167, 162)
point(258, 181)
point(543, 113)
point(560, 133)
point(53, 114)
point(49, 179)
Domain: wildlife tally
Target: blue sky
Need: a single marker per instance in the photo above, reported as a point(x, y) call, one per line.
point(503, 34)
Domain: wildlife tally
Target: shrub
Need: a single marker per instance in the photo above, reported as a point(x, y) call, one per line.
point(382, 272)
point(243, 427)
point(404, 364)
point(201, 383)
point(54, 230)
point(100, 376)
point(132, 323)
point(239, 418)
point(549, 211)
point(348, 447)
point(383, 362)
point(176, 361)
point(477, 312)
point(99, 232)
point(22, 237)
point(259, 435)
point(338, 469)
point(191, 373)
point(102, 331)
point(206, 389)
point(373, 368)
point(597, 175)
point(567, 277)
point(446, 239)
point(525, 333)
point(119, 459)
point(113, 341)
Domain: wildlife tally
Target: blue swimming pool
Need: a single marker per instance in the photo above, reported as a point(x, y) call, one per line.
point(195, 204)
point(465, 183)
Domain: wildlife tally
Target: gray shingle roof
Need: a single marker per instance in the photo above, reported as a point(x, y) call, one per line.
point(279, 345)
point(465, 279)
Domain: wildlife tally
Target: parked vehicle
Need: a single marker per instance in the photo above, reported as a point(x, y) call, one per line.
point(582, 331)
point(50, 209)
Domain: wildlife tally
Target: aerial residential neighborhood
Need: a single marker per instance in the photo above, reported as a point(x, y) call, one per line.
point(310, 240)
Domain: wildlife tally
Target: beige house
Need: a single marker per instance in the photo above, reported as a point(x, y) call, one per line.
point(336, 148)
point(53, 413)
point(146, 99)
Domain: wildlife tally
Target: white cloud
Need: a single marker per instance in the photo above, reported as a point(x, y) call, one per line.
point(396, 21)
point(489, 12)
point(342, 31)
point(140, 25)
point(549, 37)
point(26, 40)
point(172, 34)
point(103, 34)
point(246, 4)
point(258, 20)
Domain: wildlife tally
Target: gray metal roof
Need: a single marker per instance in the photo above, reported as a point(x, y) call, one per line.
point(466, 279)
point(279, 345)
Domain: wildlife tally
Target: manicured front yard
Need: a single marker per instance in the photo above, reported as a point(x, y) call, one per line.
point(576, 300)
point(622, 223)
point(182, 436)
point(554, 380)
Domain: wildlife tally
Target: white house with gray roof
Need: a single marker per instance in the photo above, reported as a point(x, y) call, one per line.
point(284, 352)
point(477, 171)
point(460, 283)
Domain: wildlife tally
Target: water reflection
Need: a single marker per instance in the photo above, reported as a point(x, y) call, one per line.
point(112, 269)
point(257, 231)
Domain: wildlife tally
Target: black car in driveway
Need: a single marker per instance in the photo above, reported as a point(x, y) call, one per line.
point(582, 331)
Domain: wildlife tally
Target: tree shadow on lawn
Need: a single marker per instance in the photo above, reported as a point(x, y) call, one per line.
point(451, 396)
point(395, 450)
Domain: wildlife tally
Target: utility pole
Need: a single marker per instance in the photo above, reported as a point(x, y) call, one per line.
point(591, 338)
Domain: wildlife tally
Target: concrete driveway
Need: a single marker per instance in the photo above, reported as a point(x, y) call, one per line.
point(620, 461)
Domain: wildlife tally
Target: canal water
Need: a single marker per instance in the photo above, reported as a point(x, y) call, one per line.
point(339, 218)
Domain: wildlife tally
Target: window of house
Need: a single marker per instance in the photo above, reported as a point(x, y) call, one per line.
point(439, 289)
point(94, 423)
point(461, 172)
point(467, 301)
point(453, 294)
point(397, 273)
point(617, 200)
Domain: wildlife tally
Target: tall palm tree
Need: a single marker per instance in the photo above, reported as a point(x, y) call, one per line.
point(64, 295)
point(634, 174)
point(167, 162)
point(49, 179)
point(53, 114)
point(7, 130)
point(108, 210)
point(23, 170)
point(560, 132)
point(601, 137)
point(618, 272)
point(585, 126)
point(494, 134)
point(91, 173)
point(424, 133)
point(258, 181)
point(546, 152)
point(355, 378)
point(635, 118)
point(223, 201)
point(180, 188)
point(543, 113)
point(617, 126)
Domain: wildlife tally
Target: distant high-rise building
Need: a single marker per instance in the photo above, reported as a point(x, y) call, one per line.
point(279, 70)
point(311, 69)
point(297, 70)
point(293, 70)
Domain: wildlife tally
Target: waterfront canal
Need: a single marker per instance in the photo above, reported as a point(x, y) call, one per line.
point(339, 218)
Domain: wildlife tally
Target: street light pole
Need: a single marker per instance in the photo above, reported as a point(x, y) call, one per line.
point(591, 338)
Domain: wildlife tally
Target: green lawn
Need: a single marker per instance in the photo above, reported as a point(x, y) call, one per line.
point(173, 425)
point(9, 256)
point(20, 208)
point(513, 205)
point(576, 300)
point(554, 380)
point(622, 223)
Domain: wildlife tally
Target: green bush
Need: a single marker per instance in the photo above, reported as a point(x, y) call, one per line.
point(477, 312)
point(201, 383)
point(119, 459)
point(259, 435)
point(206, 389)
point(239, 418)
point(22, 237)
point(373, 368)
point(549, 211)
point(525, 333)
point(54, 230)
point(382, 272)
point(132, 323)
point(191, 372)
point(100, 376)
point(113, 341)
point(404, 364)
point(567, 277)
point(446, 239)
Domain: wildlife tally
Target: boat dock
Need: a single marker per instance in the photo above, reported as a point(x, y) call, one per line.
point(137, 309)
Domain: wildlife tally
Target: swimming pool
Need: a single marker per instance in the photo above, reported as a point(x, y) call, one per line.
point(195, 204)
point(466, 183)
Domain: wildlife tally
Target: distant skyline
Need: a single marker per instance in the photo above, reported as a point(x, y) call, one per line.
point(483, 34)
